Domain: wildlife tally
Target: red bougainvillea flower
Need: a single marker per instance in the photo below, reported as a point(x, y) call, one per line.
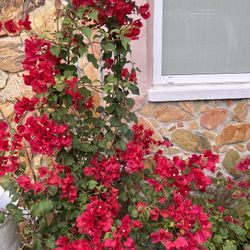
point(190, 220)
point(23, 105)
point(51, 178)
point(89, 104)
point(40, 64)
point(133, 158)
point(124, 72)
point(244, 165)
point(160, 236)
point(97, 218)
point(24, 182)
point(44, 135)
point(8, 164)
point(26, 23)
point(144, 11)
point(4, 136)
point(1, 25)
point(72, 90)
point(105, 171)
point(109, 62)
point(11, 26)
point(83, 3)
point(133, 33)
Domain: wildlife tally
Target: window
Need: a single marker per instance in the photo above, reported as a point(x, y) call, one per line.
point(201, 50)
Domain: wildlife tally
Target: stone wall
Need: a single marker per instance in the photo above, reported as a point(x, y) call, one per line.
point(223, 126)
point(42, 14)
point(192, 126)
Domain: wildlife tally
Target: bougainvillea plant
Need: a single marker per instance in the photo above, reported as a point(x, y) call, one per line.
point(84, 175)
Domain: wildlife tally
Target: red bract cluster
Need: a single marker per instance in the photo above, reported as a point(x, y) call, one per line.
point(8, 164)
point(23, 105)
point(77, 98)
point(96, 220)
point(49, 178)
point(120, 11)
point(190, 223)
point(244, 165)
point(4, 136)
point(105, 171)
point(114, 9)
point(12, 27)
point(72, 90)
point(40, 64)
point(133, 158)
point(120, 238)
point(45, 136)
point(183, 174)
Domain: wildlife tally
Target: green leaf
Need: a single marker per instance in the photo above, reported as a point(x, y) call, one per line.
point(17, 215)
point(50, 242)
point(37, 244)
point(132, 117)
point(67, 21)
point(134, 213)
point(2, 217)
point(134, 89)
point(83, 49)
point(247, 224)
point(92, 184)
point(124, 41)
point(237, 229)
point(68, 160)
point(55, 50)
point(59, 86)
point(107, 46)
point(94, 15)
point(68, 73)
point(210, 246)
point(79, 12)
point(42, 207)
point(87, 148)
point(67, 99)
point(130, 102)
point(217, 239)
point(121, 145)
point(86, 31)
point(124, 128)
point(91, 58)
point(114, 122)
point(229, 245)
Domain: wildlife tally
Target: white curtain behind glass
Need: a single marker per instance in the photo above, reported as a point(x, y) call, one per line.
point(206, 37)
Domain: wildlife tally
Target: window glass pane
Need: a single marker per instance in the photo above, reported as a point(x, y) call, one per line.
point(206, 37)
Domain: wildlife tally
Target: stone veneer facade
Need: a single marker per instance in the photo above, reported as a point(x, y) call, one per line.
point(192, 126)
point(221, 125)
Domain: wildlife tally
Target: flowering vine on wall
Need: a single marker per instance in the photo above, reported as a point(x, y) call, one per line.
point(100, 183)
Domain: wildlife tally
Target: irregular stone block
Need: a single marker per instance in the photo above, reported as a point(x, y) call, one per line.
point(231, 159)
point(3, 79)
point(189, 141)
point(170, 113)
point(240, 111)
point(213, 118)
point(187, 106)
point(14, 89)
point(233, 134)
point(11, 54)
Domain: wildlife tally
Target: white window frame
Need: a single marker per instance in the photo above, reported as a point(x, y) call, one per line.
point(190, 87)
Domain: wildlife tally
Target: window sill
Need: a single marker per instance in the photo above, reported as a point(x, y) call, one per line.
point(173, 92)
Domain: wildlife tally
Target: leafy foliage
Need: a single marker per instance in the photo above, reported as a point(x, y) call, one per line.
point(81, 177)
